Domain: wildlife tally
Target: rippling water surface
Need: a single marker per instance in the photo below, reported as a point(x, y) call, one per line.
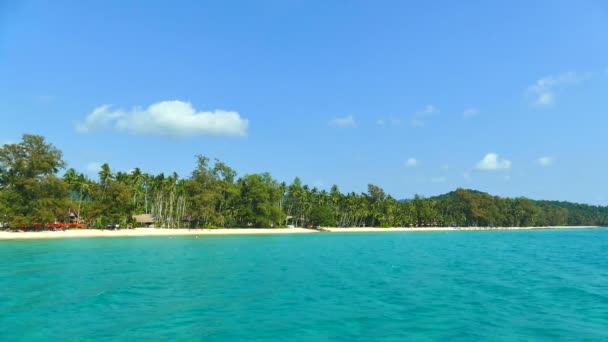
point(501, 285)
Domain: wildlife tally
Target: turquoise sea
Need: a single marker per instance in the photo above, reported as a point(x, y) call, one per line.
point(489, 285)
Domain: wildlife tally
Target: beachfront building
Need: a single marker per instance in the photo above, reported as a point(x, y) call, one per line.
point(144, 220)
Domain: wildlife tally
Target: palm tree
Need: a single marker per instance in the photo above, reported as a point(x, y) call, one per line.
point(137, 182)
point(84, 190)
point(105, 175)
point(79, 185)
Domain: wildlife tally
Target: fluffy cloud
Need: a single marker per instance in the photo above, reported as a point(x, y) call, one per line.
point(543, 90)
point(411, 162)
point(491, 161)
point(545, 161)
point(167, 118)
point(470, 112)
point(347, 121)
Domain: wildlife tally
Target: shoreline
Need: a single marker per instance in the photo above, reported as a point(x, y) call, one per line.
point(449, 229)
point(85, 233)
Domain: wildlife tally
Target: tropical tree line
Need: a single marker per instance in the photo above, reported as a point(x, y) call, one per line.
point(33, 192)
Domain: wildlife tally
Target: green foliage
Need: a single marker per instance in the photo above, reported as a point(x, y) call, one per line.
point(212, 193)
point(474, 208)
point(322, 216)
point(29, 190)
point(258, 201)
point(112, 202)
point(214, 196)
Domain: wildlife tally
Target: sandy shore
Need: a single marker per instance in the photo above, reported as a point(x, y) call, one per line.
point(81, 233)
point(146, 232)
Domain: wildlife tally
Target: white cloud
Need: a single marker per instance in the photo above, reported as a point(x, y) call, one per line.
point(93, 167)
point(100, 118)
point(380, 122)
point(438, 179)
point(427, 110)
point(543, 90)
point(348, 121)
point(491, 161)
point(444, 167)
point(545, 161)
point(167, 118)
point(545, 99)
point(470, 112)
point(412, 162)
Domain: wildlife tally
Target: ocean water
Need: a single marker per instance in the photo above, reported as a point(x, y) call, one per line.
point(488, 285)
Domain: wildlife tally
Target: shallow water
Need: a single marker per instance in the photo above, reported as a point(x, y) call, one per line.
point(490, 285)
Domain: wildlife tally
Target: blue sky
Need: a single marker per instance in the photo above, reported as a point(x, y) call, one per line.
point(418, 97)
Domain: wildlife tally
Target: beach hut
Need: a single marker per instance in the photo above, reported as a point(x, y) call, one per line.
point(144, 220)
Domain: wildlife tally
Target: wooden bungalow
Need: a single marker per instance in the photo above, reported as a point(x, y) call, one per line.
point(144, 220)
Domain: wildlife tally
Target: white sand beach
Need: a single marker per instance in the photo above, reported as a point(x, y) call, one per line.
point(82, 233)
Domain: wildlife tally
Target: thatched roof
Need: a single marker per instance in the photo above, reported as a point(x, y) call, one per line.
point(144, 218)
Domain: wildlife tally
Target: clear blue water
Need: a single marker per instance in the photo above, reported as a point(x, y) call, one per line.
point(517, 285)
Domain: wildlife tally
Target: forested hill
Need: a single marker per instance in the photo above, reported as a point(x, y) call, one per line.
point(480, 208)
point(37, 190)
